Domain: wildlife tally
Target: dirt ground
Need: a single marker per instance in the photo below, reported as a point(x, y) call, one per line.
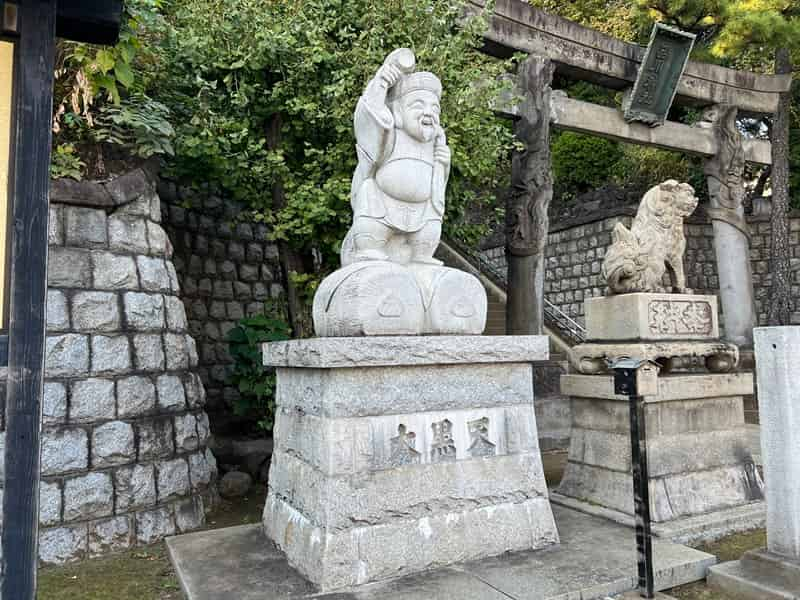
point(140, 573)
point(146, 573)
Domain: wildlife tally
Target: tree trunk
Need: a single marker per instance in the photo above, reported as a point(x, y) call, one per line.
point(780, 296)
point(291, 260)
point(528, 202)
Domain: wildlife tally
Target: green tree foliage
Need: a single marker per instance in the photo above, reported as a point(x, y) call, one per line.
point(101, 99)
point(233, 65)
point(582, 162)
point(255, 382)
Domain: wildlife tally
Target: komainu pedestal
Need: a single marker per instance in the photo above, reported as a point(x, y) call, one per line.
point(702, 478)
point(399, 454)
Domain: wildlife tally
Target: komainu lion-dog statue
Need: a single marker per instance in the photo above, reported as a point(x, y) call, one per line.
point(638, 258)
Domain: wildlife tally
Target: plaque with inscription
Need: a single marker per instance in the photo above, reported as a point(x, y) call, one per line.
point(657, 81)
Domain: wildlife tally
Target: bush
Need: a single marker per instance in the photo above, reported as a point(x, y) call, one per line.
point(582, 162)
point(256, 383)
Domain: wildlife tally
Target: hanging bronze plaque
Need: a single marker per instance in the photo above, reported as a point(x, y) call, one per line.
point(657, 81)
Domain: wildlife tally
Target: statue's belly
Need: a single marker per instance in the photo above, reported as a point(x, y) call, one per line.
point(406, 179)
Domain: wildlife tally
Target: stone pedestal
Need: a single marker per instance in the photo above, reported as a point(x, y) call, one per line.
point(703, 481)
point(774, 572)
point(399, 454)
point(697, 452)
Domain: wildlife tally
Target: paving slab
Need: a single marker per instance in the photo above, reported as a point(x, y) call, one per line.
point(685, 530)
point(596, 558)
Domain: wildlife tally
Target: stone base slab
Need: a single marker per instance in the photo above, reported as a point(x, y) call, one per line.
point(651, 317)
point(685, 530)
point(359, 555)
point(597, 558)
point(759, 575)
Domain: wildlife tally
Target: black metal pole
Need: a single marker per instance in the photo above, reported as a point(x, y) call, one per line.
point(34, 113)
point(641, 493)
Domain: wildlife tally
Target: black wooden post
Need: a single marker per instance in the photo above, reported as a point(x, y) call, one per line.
point(625, 383)
point(28, 294)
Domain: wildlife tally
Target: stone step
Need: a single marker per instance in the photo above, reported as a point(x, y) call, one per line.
point(777, 568)
point(741, 583)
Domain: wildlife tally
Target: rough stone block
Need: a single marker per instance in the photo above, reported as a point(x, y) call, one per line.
point(363, 554)
point(173, 479)
point(62, 544)
point(341, 446)
point(85, 227)
point(176, 352)
point(159, 243)
point(203, 429)
point(64, 451)
point(176, 313)
point(88, 497)
point(49, 503)
point(110, 354)
point(54, 403)
point(432, 489)
point(153, 525)
point(171, 395)
point(190, 514)
point(191, 349)
point(55, 226)
point(401, 351)
point(149, 352)
point(127, 234)
point(153, 274)
point(195, 391)
point(155, 439)
point(186, 432)
point(348, 392)
point(114, 271)
point(57, 311)
point(136, 396)
point(110, 535)
point(135, 487)
point(95, 311)
point(92, 400)
point(174, 280)
point(250, 273)
point(66, 355)
point(199, 470)
point(112, 444)
point(144, 312)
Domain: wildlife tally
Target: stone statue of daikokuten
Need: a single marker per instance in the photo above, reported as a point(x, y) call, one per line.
point(390, 283)
point(398, 190)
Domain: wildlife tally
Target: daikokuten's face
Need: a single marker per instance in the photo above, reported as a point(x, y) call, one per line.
point(420, 114)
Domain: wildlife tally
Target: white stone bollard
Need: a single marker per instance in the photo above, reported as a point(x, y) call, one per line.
point(778, 361)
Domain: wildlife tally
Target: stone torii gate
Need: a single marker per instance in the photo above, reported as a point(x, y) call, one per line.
point(559, 45)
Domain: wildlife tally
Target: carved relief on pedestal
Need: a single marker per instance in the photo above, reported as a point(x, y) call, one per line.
point(479, 436)
point(403, 451)
point(678, 317)
point(443, 448)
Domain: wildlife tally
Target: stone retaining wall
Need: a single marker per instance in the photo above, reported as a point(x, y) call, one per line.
point(227, 269)
point(576, 248)
point(124, 457)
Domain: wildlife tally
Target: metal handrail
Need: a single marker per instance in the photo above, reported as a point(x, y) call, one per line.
point(555, 318)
